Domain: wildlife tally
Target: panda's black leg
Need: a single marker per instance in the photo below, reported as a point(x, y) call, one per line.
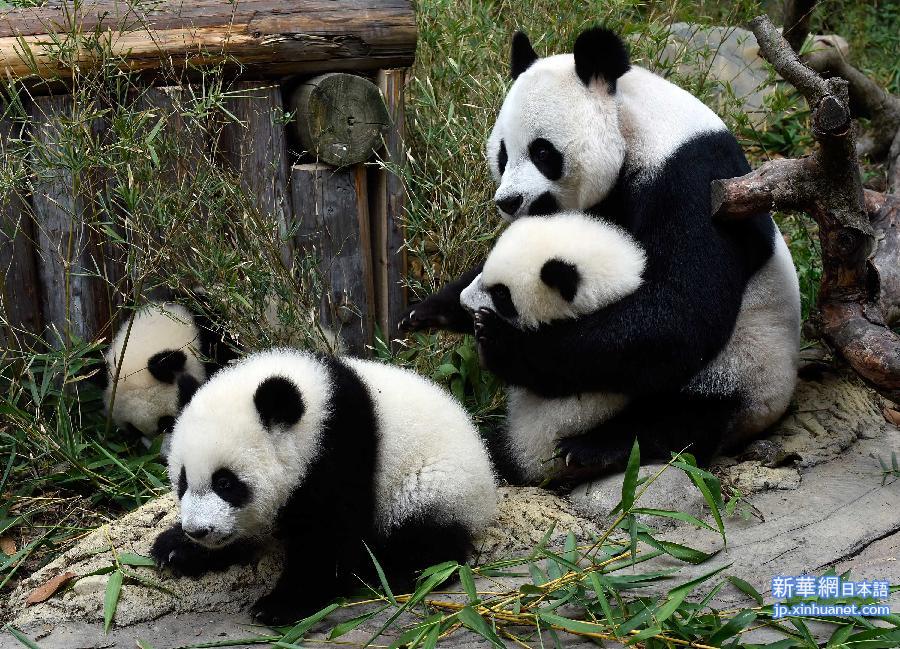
point(307, 583)
point(174, 550)
point(662, 425)
point(420, 543)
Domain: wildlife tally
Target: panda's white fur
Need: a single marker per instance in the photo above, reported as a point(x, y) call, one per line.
point(140, 398)
point(429, 453)
point(761, 358)
point(610, 263)
point(608, 259)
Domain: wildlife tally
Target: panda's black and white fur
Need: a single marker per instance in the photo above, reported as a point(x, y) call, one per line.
point(326, 454)
point(159, 356)
point(717, 316)
point(548, 268)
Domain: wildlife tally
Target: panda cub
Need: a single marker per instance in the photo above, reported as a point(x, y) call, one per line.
point(166, 351)
point(547, 268)
point(328, 454)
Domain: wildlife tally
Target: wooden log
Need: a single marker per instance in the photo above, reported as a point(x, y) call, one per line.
point(259, 38)
point(19, 281)
point(255, 148)
point(340, 118)
point(332, 215)
point(389, 211)
point(71, 301)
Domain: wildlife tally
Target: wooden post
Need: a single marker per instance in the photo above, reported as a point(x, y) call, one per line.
point(19, 279)
point(71, 300)
point(255, 148)
point(332, 214)
point(388, 213)
point(340, 118)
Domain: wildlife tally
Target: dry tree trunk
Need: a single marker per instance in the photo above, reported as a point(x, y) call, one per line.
point(859, 285)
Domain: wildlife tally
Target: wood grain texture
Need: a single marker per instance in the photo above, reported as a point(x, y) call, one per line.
point(332, 215)
point(340, 118)
point(262, 38)
point(388, 212)
point(19, 281)
point(70, 299)
point(255, 148)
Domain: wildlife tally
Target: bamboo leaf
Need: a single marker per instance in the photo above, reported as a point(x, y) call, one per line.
point(299, 630)
point(629, 482)
point(731, 628)
point(745, 588)
point(21, 637)
point(348, 625)
point(471, 620)
point(137, 560)
point(111, 598)
point(468, 583)
point(382, 578)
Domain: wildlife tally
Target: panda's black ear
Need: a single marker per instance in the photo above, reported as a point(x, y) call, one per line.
point(187, 387)
point(600, 54)
point(562, 276)
point(278, 401)
point(522, 55)
point(165, 365)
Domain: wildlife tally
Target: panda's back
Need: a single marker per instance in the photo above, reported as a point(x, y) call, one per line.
point(430, 456)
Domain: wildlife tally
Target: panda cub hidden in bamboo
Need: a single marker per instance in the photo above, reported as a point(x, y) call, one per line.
point(326, 454)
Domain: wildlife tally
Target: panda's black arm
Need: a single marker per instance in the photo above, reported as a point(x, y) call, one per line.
point(653, 341)
point(442, 310)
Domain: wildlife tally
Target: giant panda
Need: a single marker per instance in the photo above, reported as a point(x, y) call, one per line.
point(328, 454)
point(151, 361)
point(590, 131)
point(543, 269)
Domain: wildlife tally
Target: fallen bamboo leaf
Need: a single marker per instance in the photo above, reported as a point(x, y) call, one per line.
point(46, 590)
point(7, 545)
point(893, 417)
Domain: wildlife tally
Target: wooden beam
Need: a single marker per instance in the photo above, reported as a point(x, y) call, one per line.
point(388, 213)
point(255, 148)
point(332, 224)
point(19, 283)
point(71, 299)
point(259, 38)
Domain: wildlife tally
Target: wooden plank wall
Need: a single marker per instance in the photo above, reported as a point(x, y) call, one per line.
point(349, 218)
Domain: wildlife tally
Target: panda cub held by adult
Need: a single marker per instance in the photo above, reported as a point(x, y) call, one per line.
point(154, 361)
point(326, 454)
point(542, 269)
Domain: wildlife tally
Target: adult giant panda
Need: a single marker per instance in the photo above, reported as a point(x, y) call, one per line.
point(153, 358)
point(589, 131)
point(540, 270)
point(328, 453)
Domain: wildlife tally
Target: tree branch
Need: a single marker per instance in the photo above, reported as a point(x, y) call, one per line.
point(858, 286)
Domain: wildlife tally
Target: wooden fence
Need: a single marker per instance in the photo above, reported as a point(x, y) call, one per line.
point(348, 213)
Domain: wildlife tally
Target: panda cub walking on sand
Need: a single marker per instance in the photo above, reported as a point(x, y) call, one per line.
point(543, 269)
point(327, 454)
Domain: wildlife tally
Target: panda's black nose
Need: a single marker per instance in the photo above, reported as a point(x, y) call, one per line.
point(510, 204)
point(197, 533)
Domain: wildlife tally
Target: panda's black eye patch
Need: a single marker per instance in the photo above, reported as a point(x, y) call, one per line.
point(546, 158)
point(165, 365)
point(182, 483)
point(230, 488)
point(502, 157)
point(502, 299)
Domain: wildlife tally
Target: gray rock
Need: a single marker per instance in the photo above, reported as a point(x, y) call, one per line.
point(728, 57)
point(672, 490)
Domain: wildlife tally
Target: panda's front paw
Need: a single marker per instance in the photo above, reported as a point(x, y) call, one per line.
point(174, 551)
point(495, 339)
point(278, 609)
point(428, 314)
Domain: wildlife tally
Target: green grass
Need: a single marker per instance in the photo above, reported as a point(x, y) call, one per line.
point(64, 469)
